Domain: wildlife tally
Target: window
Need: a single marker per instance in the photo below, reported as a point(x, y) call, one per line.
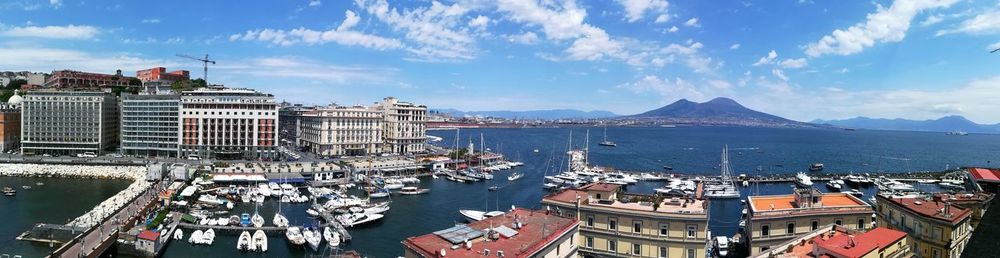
point(790, 229)
point(815, 225)
point(636, 249)
point(612, 224)
point(663, 252)
point(839, 223)
point(590, 242)
point(637, 227)
point(598, 196)
point(664, 229)
point(691, 231)
point(861, 223)
point(765, 230)
point(691, 253)
point(612, 246)
point(590, 221)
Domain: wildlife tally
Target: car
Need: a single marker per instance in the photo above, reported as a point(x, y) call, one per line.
point(46, 155)
point(193, 157)
point(117, 155)
point(87, 155)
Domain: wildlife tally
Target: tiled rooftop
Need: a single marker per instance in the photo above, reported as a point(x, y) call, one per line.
point(836, 242)
point(985, 174)
point(538, 230)
point(931, 209)
point(603, 187)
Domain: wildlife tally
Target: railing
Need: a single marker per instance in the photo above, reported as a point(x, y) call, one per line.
point(66, 246)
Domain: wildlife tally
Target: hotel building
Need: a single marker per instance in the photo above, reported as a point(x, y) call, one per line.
point(935, 227)
point(405, 126)
point(338, 131)
point(68, 122)
point(517, 233)
point(620, 224)
point(773, 219)
point(841, 242)
point(223, 123)
point(149, 125)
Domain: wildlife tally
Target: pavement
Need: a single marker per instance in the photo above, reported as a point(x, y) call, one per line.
point(105, 230)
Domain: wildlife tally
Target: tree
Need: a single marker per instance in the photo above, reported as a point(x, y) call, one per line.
point(16, 84)
point(185, 85)
point(6, 94)
point(134, 81)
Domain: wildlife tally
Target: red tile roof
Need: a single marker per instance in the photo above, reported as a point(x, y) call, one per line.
point(604, 187)
point(932, 209)
point(985, 174)
point(841, 245)
point(149, 235)
point(531, 238)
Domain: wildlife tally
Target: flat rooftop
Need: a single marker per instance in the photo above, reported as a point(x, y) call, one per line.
point(785, 205)
point(668, 206)
point(538, 230)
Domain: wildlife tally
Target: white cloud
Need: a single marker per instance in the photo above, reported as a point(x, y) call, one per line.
point(693, 22)
point(434, 33)
point(673, 29)
point(305, 68)
point(885, 25)
point(843, 70)
point(49, 59)
point(662, 18)
point(315, 3)
point(479, 22)
point(793, 63)
point(636, 9)
point(735, 46)
point(526, 38)
point(767, 59)
point(983, 23)
point(780, 74)
point(151, 21)
point(341, 35)
point(931, 20)
point(55, 3)
point(565, 22)
point(669, 90)
point(52, 32)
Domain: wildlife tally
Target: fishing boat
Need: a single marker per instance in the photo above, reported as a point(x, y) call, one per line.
point(294, 236)
point(606, 142)
point(313, 238)
point(474, 215)
point(803, 180)
point(816, 167)
point(259, 241)
point(243, 243)
point(332, 237)
point(413, 190)
point(514, 176)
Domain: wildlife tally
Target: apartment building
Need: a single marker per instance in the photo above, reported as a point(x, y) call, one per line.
point(516, 233)
point(835, 241)
point(225, 123)
point(68, 122)
point(615, 223)
point(405, 126)
point(150, 126)
point(773, 219)
point(936, 228)
point(339, 130)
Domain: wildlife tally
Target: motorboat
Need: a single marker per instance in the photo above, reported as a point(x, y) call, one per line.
point(514, 176)
point(243, 243)
point(927, 181)
point(178, 234)
point(234, 220)
point(382, 193)
point(375, 209)
point(259, 241)
point(312, 213)
point(354, 219)
point(332, 237)
point(856, 193)
point(393, 186)
point(948, 185)
point(493, 188)
point(313, 238)
point(280, 220)
point(195, 237)
point(474, 215)
point(834, 186)
point(294, 236)
point(413, 190)
point(803, 180)
point(816, 167)
point(722, 245)
point(550, 186)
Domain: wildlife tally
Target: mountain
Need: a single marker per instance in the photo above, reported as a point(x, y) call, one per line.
point(550, 114)
point(944, 124)
point(718, 111)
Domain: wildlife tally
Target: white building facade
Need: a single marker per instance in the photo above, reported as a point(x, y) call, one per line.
point(405, 126)
point(340, 131)
point(228, 124)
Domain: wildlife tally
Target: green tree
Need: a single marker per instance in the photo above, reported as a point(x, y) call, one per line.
point(15, 84)
point(134, 81)
point(6, 94)
point(185, 85)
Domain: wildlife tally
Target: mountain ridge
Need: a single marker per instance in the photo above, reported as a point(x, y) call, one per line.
point(717, 111)
point(550, 114)
point(950, 123)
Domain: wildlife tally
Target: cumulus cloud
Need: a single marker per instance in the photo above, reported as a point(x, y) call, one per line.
point(780, 74)
point(885, 25)
point(931, 20)
point(983, 23)
point(315, 3)
point(526, 38)
point(670, 90)
point(341, 35)
point(693, 22)
point(637, 9)
point(53, 32)
point(673, 29)
point(662, 18)
point(767, 59)
point(55, 3)
point(438, 32)
point(565, 22)
point(793, 63)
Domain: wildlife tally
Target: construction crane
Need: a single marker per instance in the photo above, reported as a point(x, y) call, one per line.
point(204, 61)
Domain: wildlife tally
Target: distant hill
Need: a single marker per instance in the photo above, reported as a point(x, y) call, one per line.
point(550, 114)
point(944, 124)
point(718, 111)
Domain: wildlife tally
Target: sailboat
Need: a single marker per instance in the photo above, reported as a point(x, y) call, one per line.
point(257, 220)
point(606, 142)
point(313, 238)
point(726, 188)
point(279, 219)
point(332, 237)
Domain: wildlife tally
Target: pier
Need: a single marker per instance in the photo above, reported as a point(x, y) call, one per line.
point(333, 223)
point(96, 240)
point(237, 229)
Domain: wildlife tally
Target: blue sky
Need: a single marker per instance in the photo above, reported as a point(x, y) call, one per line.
point(917, 59)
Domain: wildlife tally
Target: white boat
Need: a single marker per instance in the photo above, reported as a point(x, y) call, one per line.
point(332, 237)
point(259, 241)
point(178, 234)
point(550, 186)
point(354, 219)
point(413, 190)
point(803, 180)
point(313, 238)
point(244, 242)
point(394, 186)
point(294, 236)
point(379, 194)
point(312, 212)
point(834, 186)
point(474, 215)
point(257, 220)
point(726, 187)
point(856, 192)
point(376, 209)
point(514, 176)
point(208, 237)
point(195, 237)
point(280, 220)
point(927, 181)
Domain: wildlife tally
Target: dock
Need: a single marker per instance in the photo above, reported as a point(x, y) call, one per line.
point(266, 229)
point(333, 223)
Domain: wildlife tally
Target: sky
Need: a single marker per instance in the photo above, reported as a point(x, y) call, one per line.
point(800, 59)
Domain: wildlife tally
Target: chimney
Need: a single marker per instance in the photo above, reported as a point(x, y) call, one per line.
point(946, 211)
point(850, 241)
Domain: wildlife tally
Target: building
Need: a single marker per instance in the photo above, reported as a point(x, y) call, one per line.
point(147, 242)
point(338, 131)
point(987, 179)
point(10, 124)
point(978, 202)
point(224, 123)
point(936, 227)
point(517, 233)
point(405, 128)
point(614, 223)
point(773, 219)
point(77, 79)
point(840, 242)
point(150, 125)
point(157, 80)
point(289, 123)
point(68, 122)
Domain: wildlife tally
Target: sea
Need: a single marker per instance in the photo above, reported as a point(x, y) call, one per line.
point(687, 150)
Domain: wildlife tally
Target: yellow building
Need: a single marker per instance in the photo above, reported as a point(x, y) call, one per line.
point(613, 223)
point(840, 242)
point(773, 219)
point(936, 228)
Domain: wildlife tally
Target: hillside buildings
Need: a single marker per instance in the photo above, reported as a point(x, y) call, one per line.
point(773, 219)
point(150, 125)
point(78, 79)
point(391, 126)
point(69, 122)
point(614, 223)
point(157, 80)
point(841, 242)
point(517, 233)
point(223, 123)
point(935, 227)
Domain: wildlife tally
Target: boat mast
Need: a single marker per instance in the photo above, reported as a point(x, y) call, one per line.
point(569, 161)
point(482, 148)
point(586, 149)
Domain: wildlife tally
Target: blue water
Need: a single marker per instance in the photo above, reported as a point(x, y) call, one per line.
point(689, 150)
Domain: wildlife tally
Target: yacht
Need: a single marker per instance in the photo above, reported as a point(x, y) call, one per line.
point(816, 167)
point(354, 219)
point(294, 236)
point(313, 238)
point(474, 215)
point(243, 244)
point(834, 185)
point(332, 237)
point(726, 188)
point(259, 241)
point(514, 176)
point(803, 180)
point(413, 190)
point(606, 142)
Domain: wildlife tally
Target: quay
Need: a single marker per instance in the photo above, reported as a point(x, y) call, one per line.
point(332, 222)
point(98, 239)
point(236, 229)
